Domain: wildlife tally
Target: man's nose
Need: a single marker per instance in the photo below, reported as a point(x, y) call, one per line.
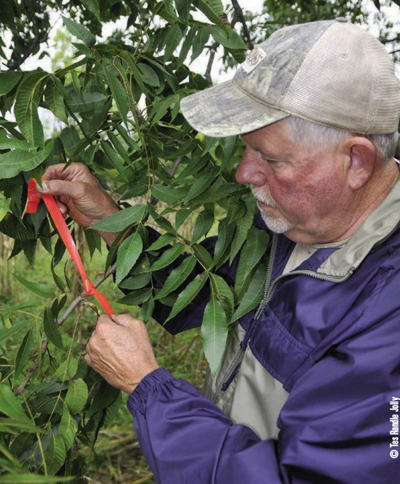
point(251, 170)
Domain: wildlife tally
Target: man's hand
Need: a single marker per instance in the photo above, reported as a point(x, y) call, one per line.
point(79, 195)
point(120, 350)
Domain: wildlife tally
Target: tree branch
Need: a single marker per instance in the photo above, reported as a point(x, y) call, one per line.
point(213, 50)
point(36, 39)
point(239, 13)
point(59, 323)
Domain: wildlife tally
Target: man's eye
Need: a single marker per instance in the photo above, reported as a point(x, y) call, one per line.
point(271, 162)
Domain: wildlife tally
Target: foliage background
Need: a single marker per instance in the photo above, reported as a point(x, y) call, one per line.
point(115, 106)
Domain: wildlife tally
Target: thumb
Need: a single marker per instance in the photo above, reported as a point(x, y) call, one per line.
point(122, 319)
point(61, 187)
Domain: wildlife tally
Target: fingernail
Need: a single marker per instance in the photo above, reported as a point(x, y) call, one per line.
point(43, 188)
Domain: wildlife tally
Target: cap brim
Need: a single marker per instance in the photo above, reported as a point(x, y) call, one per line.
point(225, 110)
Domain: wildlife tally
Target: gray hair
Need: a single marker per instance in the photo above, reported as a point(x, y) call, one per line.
point(320, 137)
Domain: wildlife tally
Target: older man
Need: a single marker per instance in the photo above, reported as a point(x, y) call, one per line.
point(309, 391)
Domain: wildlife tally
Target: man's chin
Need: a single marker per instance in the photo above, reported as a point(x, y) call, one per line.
point(275, 224)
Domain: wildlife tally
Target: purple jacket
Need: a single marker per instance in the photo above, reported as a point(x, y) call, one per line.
point(329, 331)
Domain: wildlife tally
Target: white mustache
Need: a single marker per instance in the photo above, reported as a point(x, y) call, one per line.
point(262, 198)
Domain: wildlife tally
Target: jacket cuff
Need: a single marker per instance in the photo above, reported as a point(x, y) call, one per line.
point(151, 382)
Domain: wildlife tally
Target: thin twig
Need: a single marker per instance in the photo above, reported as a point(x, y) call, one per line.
point(239, 12)
point(60, 322)
point(175, 166)
point(213, 50)
point(36, 39)
point(238, 15)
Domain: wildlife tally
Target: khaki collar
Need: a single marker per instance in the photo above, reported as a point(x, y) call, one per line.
point(376, 228)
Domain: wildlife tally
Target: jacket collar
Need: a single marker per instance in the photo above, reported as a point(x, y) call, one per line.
point(380, 224)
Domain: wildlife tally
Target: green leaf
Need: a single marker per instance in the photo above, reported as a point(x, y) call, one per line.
point(161, 242)
point(199, 41)
point(76, 396)
point(200, 185)
point(242, 229)
point(68, 428)
point(39, 289)
point(33, 479)
point(183, 9)
point(225, 234)
point(254, 293)
point(118, 92)
point(55, 101)
point(79, 31)
point(188, 294)
point(66, 370)
point(8, 80)
point(7, 333)
point(121, 220)
point(12, 143)
point(194, 166)
point(204, 222)
point(168, 257)
point(160, 220)
point(212, 9)
point(16, 427)
point(181, 216)
point(187, 44)
point(25, 109)
point(214, 330)
point(167, 194)
point(11, 405)
point(137, 297)
point(13, 162)
point(136, 282)
point(254, 249)
point(160, 109)
point(89, 101)
point(223, 293)
point(172, 40)
point(128, 254)
point(203, 256)
point(128, 58)
point(56, 453)
point(24, 353)
point(177, 277)
point(115, 159)
point(4, 206)
point(12, 227)
point(112, 410)
point(51, 329)
point(150, 76)
point(105, 396)
point(234, 41)
point(93, 6)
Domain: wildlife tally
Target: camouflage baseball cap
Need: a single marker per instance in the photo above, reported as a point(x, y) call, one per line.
point(330, 72)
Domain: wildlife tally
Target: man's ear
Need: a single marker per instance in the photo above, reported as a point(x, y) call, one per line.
point(363, 157)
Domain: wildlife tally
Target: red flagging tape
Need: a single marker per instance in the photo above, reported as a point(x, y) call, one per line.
point(65, 234)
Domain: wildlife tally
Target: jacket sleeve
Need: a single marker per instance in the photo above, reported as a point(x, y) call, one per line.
point(334, 428)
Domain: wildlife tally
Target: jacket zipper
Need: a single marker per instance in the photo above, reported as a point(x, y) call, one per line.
point(269, 290)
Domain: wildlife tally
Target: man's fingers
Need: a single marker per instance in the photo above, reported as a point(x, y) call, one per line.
point(122, 319)
point(74, 190)
point(75, 171)
point(62, 207)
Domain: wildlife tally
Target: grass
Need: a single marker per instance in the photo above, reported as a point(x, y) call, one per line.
point(116, 457)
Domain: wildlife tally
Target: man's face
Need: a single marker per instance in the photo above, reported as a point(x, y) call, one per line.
point(300, 192)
